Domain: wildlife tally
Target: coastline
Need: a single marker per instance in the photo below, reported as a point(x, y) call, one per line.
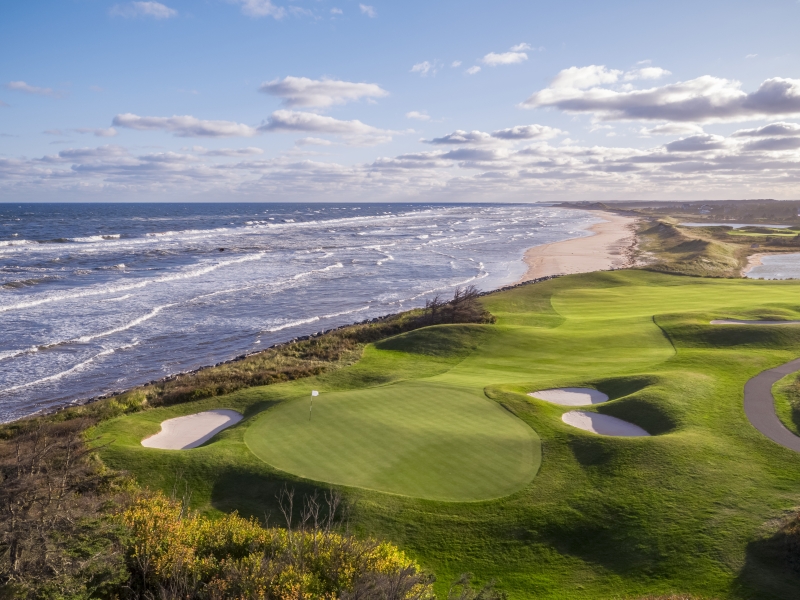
point(754, 260)
point(609, 247)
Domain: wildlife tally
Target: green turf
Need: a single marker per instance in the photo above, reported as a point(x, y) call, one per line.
point(414, 439)
point(690, 509)
point(786, 393)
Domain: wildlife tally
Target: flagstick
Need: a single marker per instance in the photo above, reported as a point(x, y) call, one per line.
point(311, 404)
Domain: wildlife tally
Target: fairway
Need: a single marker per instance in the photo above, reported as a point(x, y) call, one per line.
point(430, 422)
point(415, 439)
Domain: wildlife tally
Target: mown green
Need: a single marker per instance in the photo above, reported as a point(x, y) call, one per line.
point(690, 509)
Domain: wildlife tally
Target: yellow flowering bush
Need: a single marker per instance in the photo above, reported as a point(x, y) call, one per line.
point(176, 553)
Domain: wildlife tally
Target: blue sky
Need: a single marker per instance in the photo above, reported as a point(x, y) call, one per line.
point(426, 101)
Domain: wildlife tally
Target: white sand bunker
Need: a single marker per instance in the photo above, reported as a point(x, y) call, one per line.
point(741, 322)
point(182, 433)
point(602, 424)
point(571, 396)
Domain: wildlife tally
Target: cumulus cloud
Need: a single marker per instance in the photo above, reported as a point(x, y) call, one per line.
point(516, 133)
point(776, 144)
point(337, 11)
point(184, 126)
point(155, 10)
point(527, 132)
point(473, 69)
point(260, 8)
point(772, 130)
point(305, 122)
point(704, 99)
point(671, 129)
point(419, 116)
point(697, 143)
point(304, 92)
point(520, 47)
point(460, 136)
point(368, 10)
point(21, 86)
point(455, 64)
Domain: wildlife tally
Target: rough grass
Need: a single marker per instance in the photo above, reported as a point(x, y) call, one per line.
point(786, 392)
point(686, 511)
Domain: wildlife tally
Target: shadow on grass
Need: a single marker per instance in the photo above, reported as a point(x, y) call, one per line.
point(257, 494)
point(771, 569)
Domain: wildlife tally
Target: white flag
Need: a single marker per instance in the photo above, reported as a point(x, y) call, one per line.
point(314, 393)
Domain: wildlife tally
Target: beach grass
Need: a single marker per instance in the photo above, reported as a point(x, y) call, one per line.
point(690, 510)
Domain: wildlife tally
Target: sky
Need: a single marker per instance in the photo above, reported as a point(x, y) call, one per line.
point(433, 101)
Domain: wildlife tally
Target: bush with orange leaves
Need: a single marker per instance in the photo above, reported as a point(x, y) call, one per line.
point(175, 553)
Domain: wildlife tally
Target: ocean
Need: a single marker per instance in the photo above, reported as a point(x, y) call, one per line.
point(96, 298)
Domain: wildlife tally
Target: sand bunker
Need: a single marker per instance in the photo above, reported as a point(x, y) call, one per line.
point(741, 322)
point(182, 433)
point(571, 396)
point(602, 424)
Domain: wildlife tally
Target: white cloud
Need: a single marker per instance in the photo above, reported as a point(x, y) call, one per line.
point(313, 141)
point(260, 8)
point(227, 152)
point(671, 129)
point(368, 10)
point(295, 121)
point(527, 132)
point(520, 47)
point(772, 130)
point(156, 10)
point(97, 132)
point(419, 116)
point(646, 73)
point(697, 143)
point(304, 92)
point(424, 68)
point(461, 137)
point(473, 69)
point(751, 55)
point(185, 126)
point(704, 99)
point(21, 86)
point(494, 59)
point(455, 64)
point(337, 11)
point(580, 78)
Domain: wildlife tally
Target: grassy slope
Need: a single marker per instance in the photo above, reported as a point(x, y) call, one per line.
point(605, 517)
point(787, 402)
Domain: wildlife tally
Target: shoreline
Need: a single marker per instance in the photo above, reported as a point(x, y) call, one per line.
point(610, 246)
point(754, 260)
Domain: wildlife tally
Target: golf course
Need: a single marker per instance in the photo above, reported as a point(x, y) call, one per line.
point(436, 444)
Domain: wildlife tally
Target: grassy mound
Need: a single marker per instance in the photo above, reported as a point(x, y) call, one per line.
point(414, 439)
point(604, 517)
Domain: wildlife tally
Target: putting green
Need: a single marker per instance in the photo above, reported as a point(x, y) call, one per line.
point(415, 439)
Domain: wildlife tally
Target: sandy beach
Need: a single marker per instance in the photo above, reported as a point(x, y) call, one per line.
point(610, 247)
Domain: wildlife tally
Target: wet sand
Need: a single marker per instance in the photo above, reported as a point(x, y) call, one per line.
point(610, 247)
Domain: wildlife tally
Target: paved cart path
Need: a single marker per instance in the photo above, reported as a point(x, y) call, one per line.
point(759, 405)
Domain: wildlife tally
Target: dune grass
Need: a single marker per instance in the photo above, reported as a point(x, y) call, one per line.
point(690, 510)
